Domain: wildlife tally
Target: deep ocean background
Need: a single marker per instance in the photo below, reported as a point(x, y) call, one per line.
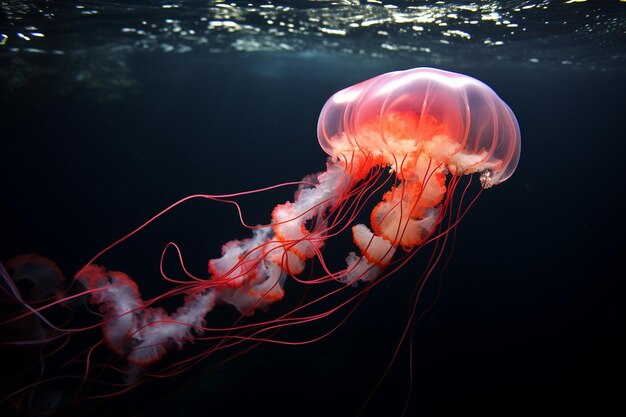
point(530, 315)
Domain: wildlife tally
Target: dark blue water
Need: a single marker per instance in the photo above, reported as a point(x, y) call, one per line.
point(528, 315)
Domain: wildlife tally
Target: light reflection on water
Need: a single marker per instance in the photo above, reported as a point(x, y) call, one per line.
point(569, 33)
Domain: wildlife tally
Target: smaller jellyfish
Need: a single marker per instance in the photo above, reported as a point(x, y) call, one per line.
point(30, 280)
point(29, 283)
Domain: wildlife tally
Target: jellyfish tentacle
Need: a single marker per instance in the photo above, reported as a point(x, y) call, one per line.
point(249, 275)
point(405, 217)
point(376, 253)
point(130, 327)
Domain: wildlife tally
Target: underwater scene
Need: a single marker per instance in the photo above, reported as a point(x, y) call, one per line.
point(312, 208)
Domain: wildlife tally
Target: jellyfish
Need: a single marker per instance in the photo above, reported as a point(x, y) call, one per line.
point(398, 146)
point(30, 279)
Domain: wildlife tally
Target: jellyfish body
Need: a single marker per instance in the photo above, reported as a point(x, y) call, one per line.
point(425, 127)
point(428, 126)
